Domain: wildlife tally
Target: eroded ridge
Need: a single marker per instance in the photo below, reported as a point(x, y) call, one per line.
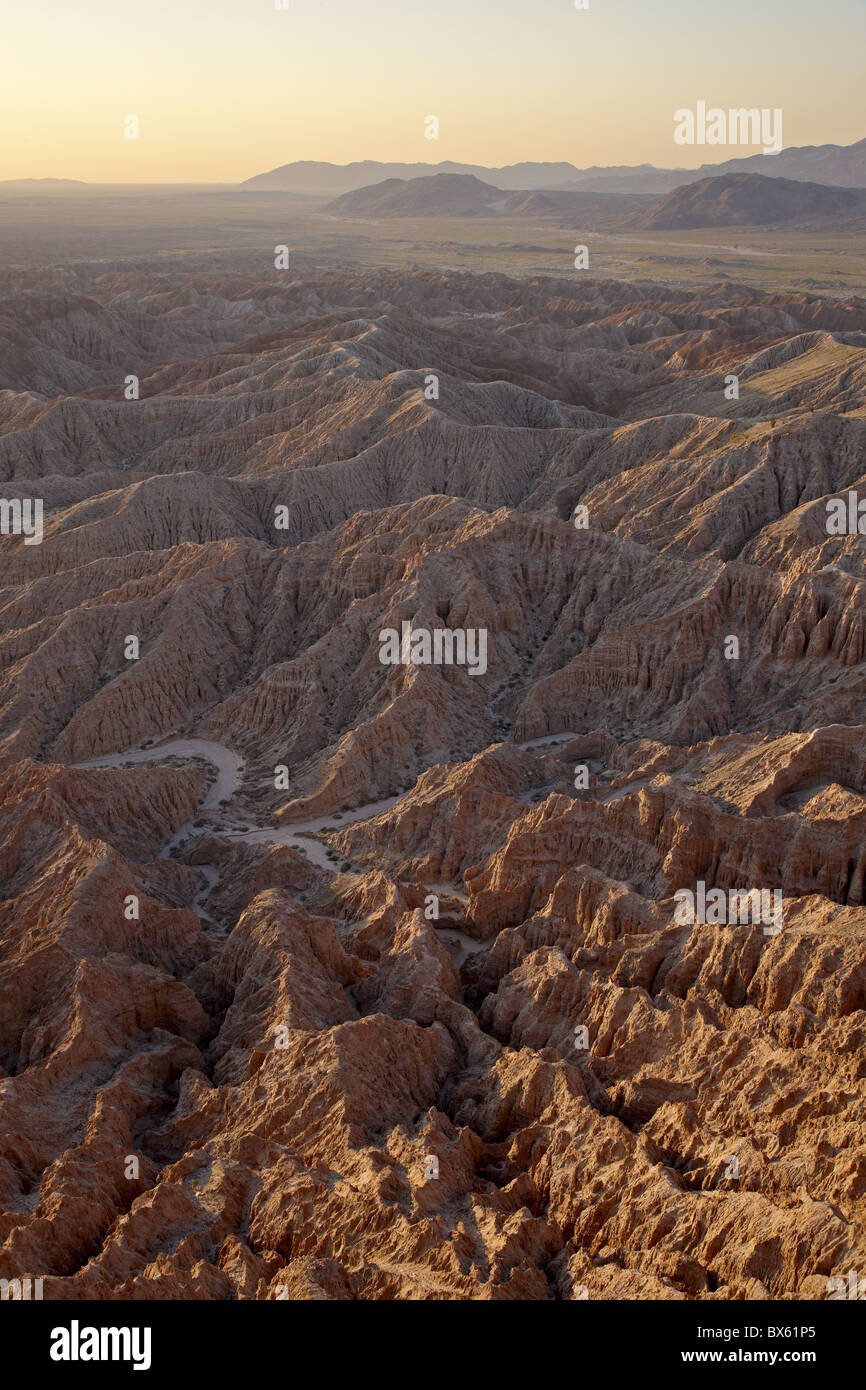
point(344, 959)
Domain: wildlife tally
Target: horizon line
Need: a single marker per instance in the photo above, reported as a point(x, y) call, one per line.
point(421, 164)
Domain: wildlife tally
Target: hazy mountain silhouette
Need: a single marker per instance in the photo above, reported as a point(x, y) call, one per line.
point(836, 165)
point(444, 195)
point(751, 200)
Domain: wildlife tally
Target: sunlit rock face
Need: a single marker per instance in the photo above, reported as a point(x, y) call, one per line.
point(334, 974)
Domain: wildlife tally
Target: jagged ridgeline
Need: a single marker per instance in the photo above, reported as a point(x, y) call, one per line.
point(324, 975)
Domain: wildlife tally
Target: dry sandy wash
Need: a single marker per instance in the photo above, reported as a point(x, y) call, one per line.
point(241, 1055)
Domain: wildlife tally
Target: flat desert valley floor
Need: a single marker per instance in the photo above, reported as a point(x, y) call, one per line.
point(41, 227)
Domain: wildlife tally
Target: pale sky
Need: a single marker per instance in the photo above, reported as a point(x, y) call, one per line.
point(225, 89)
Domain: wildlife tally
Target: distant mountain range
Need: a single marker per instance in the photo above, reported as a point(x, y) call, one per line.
point(726, 200)
point(835, 165)
point(310, 176)
point(40, 185)
point(443, 195)
point(733, 200)
point(464, 195)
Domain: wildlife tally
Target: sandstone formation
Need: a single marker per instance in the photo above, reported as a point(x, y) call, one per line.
point(331, 979)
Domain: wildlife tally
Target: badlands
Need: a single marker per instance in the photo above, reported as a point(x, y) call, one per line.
point(330, 979)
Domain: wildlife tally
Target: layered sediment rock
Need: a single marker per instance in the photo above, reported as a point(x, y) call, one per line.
point(355, 980)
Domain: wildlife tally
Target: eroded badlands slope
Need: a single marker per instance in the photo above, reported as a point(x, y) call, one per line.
point(286, 1074)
